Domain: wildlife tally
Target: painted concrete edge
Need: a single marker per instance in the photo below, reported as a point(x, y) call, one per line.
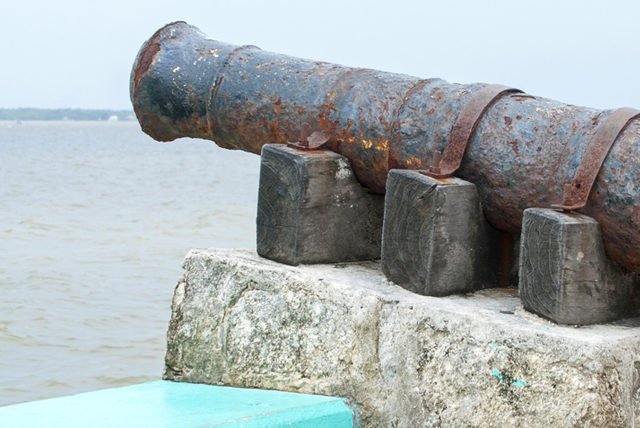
point(164, 403)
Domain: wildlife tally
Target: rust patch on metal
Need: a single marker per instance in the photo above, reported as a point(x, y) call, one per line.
point(145, 60)
point(148, 54)
point(307, 142)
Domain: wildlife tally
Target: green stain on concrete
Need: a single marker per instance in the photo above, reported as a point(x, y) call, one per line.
point(172, 404)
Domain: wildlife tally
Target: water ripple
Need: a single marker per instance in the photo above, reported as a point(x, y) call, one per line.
point(95, 222)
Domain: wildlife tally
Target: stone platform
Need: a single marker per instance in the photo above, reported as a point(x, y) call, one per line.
point(405, 360)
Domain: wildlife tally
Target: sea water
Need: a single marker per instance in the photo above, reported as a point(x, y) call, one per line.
point(95, 220)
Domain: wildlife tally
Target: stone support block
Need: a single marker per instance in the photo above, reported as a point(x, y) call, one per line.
point(436, 240)
point(311, 209)
point(565, 275)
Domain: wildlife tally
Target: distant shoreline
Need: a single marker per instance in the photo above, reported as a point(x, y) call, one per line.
point(26, 114)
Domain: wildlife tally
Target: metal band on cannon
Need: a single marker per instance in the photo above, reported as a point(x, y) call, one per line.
point(576, 193)
point(448, 162)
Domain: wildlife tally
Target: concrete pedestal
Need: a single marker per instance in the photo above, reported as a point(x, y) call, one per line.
point(311, 209)
point(406, 360)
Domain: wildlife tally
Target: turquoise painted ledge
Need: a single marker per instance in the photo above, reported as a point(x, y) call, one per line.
point(171, 404)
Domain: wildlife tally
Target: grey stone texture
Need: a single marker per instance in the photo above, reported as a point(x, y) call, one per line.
point(565, 275)
point(435, 239)
point(406, 360)
point(311, 209)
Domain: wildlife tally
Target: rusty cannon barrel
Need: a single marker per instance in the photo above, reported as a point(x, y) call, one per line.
point(521, 151)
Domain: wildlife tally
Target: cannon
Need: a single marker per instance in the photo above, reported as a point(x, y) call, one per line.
point(519, 150)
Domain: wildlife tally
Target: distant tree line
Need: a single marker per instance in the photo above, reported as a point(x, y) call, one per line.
point(64, 114)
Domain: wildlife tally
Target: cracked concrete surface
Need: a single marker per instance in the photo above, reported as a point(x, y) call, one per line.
point(405, 360)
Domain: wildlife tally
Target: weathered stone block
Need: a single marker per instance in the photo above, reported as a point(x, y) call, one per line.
point(406, 360)
point(565, 275)
point(311, 209)
point(435, 238)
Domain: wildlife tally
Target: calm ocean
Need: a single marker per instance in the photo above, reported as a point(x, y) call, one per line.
point(95, 219)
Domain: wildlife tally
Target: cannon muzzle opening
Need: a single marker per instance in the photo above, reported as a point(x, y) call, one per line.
point(169, 90)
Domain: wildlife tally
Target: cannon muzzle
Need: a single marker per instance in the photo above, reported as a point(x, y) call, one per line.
point(521, 151)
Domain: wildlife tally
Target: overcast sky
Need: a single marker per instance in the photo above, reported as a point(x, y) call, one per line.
point(78, 53)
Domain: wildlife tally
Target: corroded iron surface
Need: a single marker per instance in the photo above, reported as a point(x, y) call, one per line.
point(576, 193)
point(447, 163)
point(522, 151)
